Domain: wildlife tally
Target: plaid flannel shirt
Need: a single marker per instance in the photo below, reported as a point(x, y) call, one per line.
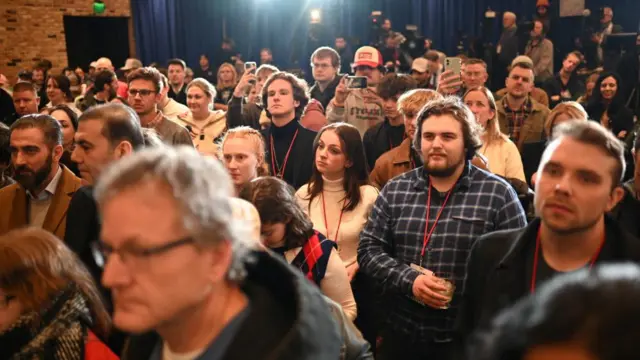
point(393, 238)
point(515, 118)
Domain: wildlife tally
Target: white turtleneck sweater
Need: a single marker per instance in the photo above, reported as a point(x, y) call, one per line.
point(352, 221)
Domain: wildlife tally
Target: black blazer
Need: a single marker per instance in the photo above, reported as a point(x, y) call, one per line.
point(498, 276)
point(83, 228)
point(298, 169)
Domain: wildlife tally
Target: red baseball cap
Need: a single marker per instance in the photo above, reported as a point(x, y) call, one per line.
point(367, 56)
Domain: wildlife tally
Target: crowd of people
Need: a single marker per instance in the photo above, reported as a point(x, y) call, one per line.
point(234, 212)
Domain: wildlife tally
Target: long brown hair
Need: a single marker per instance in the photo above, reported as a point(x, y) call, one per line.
point(275, 201)
point(35, 266)
point(355, 175)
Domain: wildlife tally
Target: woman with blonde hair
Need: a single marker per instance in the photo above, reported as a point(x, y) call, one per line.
point(49, 306)
point(502, 154)
point(227, 81)
point(205, 125)
point(565, 111)
point(242, 152)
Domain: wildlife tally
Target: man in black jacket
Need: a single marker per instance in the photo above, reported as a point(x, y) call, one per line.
point(289, 145)
point(325, 63)
point(573, 193)
point(187, 280)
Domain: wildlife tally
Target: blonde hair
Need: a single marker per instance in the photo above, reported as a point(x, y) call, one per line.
point(256, 140)
point(411, 102)
point(571, 108)
point(232, 82)
point(493, 128)
point(205, 86)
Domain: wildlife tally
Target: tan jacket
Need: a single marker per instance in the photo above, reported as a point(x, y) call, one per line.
point(13, 205)
point(533, 128)
point(391, 164)
point(537, 94)
point(205, 134)
point(397, 161)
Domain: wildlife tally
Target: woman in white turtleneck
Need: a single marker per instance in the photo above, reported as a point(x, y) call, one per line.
point(338, 200)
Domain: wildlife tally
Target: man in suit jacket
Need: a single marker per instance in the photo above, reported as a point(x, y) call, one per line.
point(105, 134)
point(44, 187)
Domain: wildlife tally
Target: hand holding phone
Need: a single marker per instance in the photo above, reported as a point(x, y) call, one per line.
point(454, 64)
point(357, 82)
point(250, 66)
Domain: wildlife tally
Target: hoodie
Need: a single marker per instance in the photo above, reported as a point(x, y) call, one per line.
point(356, 112)
point(205, 133)
point(287, 319)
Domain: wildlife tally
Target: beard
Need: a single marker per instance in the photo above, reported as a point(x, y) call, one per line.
point(443, 171)
point(33, 179)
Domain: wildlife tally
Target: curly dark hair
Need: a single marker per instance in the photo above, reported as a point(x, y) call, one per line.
point(299, 87)
point(276, 203)
point(394, 85)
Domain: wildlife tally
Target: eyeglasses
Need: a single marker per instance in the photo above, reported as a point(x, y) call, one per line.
point(143, 92)
point(5, 300)
point(132, 255)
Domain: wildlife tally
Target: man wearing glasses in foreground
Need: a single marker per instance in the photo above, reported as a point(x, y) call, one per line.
point(183, 275)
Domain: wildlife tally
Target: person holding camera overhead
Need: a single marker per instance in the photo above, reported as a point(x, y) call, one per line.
point(356, 101)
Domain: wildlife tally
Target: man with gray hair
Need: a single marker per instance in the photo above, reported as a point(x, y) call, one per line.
point(182, 273)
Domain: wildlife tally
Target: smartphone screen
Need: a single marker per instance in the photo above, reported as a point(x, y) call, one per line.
point(250, 65)
point(454, 64)
point(357, 82)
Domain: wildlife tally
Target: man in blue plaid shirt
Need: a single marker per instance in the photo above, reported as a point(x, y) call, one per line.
point(410, 257)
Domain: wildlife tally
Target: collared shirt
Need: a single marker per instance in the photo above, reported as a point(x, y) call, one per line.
point(39, 205)
point(393, 238)
point(516, 118)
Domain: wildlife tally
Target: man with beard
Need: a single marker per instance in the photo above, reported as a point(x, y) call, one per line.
point(44, 186)
point(105, 89)
point(578, 182)
point(520, 116)
point(145, 92)
point(422, 226)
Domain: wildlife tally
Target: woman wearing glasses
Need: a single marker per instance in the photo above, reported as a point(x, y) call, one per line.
point(242, 151)
point(338, 200)
point(49, 306)
point(287, 231)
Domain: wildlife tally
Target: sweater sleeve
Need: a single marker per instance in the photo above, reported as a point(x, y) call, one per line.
point(241, 114)
point(335, 113)
point(336, 286)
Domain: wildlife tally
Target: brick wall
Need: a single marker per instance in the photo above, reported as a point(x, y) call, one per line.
point(33, 29)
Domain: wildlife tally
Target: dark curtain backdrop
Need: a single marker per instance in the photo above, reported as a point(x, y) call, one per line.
point(187, 28)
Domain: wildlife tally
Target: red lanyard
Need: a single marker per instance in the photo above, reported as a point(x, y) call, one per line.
point(427, 232)
point(536, 254)
point(280, 172)
point(326, 226)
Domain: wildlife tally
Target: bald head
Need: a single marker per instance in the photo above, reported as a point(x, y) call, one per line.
point(104, 64)
point(508, 19)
